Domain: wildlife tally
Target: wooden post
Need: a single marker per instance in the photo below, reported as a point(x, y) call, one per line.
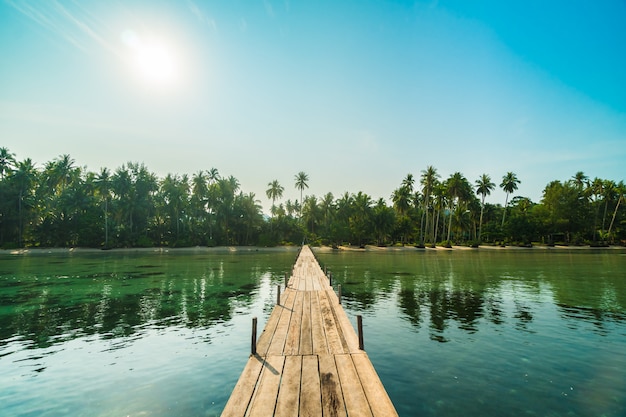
point(253, 345)
point(339, 293)
point(359, 326)
point(278, 296)
point(286, 280)
point(330, 279)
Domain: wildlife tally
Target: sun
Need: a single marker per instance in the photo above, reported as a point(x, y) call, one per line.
point(153, 61)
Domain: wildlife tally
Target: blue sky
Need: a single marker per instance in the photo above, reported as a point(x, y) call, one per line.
point(355, 93)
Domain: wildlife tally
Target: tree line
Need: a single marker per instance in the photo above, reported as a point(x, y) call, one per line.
point(65, 205)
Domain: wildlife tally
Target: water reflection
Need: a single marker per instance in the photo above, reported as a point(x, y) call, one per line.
point(437, 292)
point(70, 300)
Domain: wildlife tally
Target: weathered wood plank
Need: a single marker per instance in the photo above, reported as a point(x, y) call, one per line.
point(242, 393)
point(376, 395)
point(320, 344)
point(265, 339)
point(353, 395)
point(289, 391)
point(264, 400)
point(332, 397)
point(280, 335)
point(310, 393)
point(330, 326)
point(349, 338)
point(306, 341)
point(292, 343)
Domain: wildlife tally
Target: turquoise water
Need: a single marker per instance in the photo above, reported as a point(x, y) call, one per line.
point(460, 333)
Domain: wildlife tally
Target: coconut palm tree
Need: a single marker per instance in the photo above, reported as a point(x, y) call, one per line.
point(301, 183)
point(103, 186)
point(508, 185)
point(456, 190)
point(620, 189)
point(213, 175)
point(327, 207)
point(25, 176)
point(274, 191)
point(408, 182)
point(428, 180)
point(596, 189)
point(484, 186)
point(7, 161)
point(580, 180)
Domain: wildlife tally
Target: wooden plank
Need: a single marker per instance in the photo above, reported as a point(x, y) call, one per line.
point(353, 395)
point(306, 341)
point(289, 392)
point(242, 393)
point(320, 345)
point(277, 343)
point(310, 392)
point(349, 338)
point(374, 390)
point(265, 339)
point(332, 397)
point(292, 343)
point(264, 401)
point(333, 338)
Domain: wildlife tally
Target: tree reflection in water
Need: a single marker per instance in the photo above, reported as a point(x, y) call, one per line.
point(462, 290)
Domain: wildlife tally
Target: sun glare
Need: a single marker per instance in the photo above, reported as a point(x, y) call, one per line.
point(153, 61)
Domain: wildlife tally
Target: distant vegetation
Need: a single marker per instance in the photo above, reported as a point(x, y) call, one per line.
point(64, 205)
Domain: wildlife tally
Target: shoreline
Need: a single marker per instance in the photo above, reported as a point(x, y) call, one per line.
point(409, 248)
point(325, 249)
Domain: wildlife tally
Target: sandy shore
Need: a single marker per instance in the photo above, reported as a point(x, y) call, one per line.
point(409, 248)
point(232, 249)
point(194, 249)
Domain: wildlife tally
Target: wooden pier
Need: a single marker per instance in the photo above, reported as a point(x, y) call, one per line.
point(307, 361)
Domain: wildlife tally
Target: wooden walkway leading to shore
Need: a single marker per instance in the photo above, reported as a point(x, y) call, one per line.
point(308, 361)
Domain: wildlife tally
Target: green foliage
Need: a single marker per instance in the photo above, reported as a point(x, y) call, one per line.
point(63, 204)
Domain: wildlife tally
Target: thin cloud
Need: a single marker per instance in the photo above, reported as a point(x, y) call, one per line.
point(76, 26)
point(268, 8)
point(195, 10)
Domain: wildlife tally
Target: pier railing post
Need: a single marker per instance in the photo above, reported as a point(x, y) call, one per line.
point(278, 296)
point(330, 279)
point(253, 345)
point(339, 293)
point(359, 326)
point(286, 280)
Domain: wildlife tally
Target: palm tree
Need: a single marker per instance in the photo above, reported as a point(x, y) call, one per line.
point(580, 180)
point(456, 185)
point(103, 184)
point(274, 191)
point(213, 175)
point(609, 192)
point(408, 182)
point(301, 184)
point(7, 161)
point(311, 212)
point(361, 216)
point(327, 207)
point(383, 220)
point(428, 180)
point(508, 185)
point(484, 186)
point(25, 176)
point(620, 188)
